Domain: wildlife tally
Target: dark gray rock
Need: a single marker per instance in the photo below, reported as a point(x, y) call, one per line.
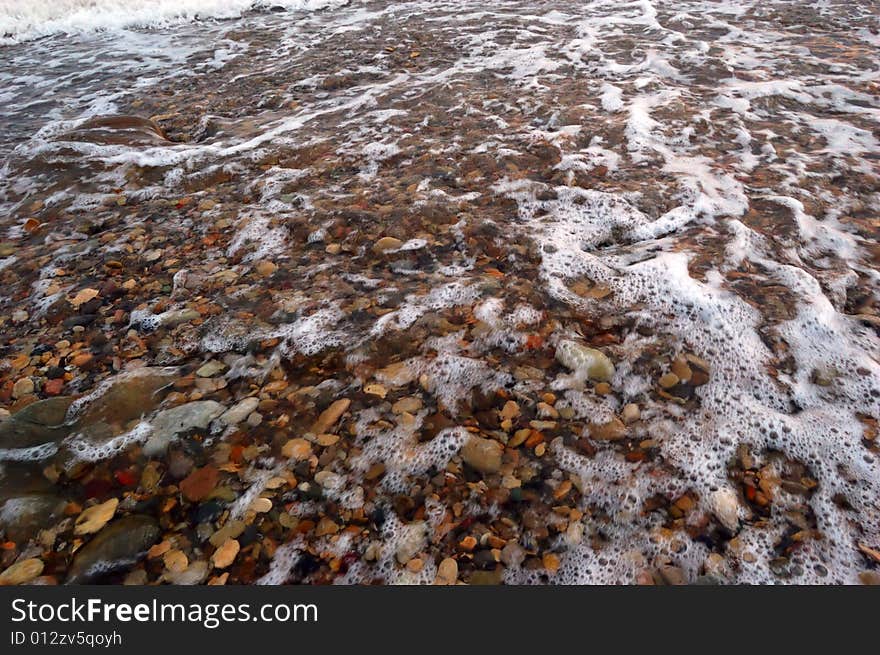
point(120, 543)
point(39, 423)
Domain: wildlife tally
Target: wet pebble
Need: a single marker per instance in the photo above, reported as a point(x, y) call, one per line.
point(94, 518)
point(240, 411)
point(225, 555)
point(584, 361)
point(168, 423)
point(22, 572)
point(114, 546)
point(482, 454)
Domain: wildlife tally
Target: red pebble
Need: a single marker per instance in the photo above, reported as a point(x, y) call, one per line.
point(125, 477)
point(534, 342)
point(53, 387)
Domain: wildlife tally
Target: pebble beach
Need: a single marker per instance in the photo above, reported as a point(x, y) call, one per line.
point(328, 292)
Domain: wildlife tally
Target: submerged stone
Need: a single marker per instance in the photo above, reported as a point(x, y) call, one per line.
point(240, 411)
point(21, 517)
point(170, 422)
point(482, 454)
point(21, 572)
point(39, 423)
point(129, 397)
point(114, 547)
point(584, 361)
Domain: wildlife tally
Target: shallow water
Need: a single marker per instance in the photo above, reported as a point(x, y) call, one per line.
point(690, 187)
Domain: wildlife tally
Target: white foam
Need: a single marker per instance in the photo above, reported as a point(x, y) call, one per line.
point(87, 450)
point(22, 20)
point(375, 153)
point(308, 335)
point(400, 451)
point(31, 454)
point(285, 558)
point(451, 378)
point(452, 294)
point(264, 241)
point(612, 97)
point(740, 404)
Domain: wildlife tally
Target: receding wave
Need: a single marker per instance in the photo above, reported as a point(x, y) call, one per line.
point(23, 20)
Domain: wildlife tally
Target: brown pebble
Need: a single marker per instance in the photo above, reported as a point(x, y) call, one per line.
point(447, 572)
point(681, 369)
point(631, 413)
point(387, 243)
point(551, 562)
point(21, 572)
point(200, 483)
point(468, 543)
point(265, 268)
point(326, 526)
point(330, 416)
point(226, 554)
point(668, 381)
point(482, 454)
point(610, 431)
point(298, 449)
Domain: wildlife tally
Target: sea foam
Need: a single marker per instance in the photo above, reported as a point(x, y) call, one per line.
point(23, 20)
